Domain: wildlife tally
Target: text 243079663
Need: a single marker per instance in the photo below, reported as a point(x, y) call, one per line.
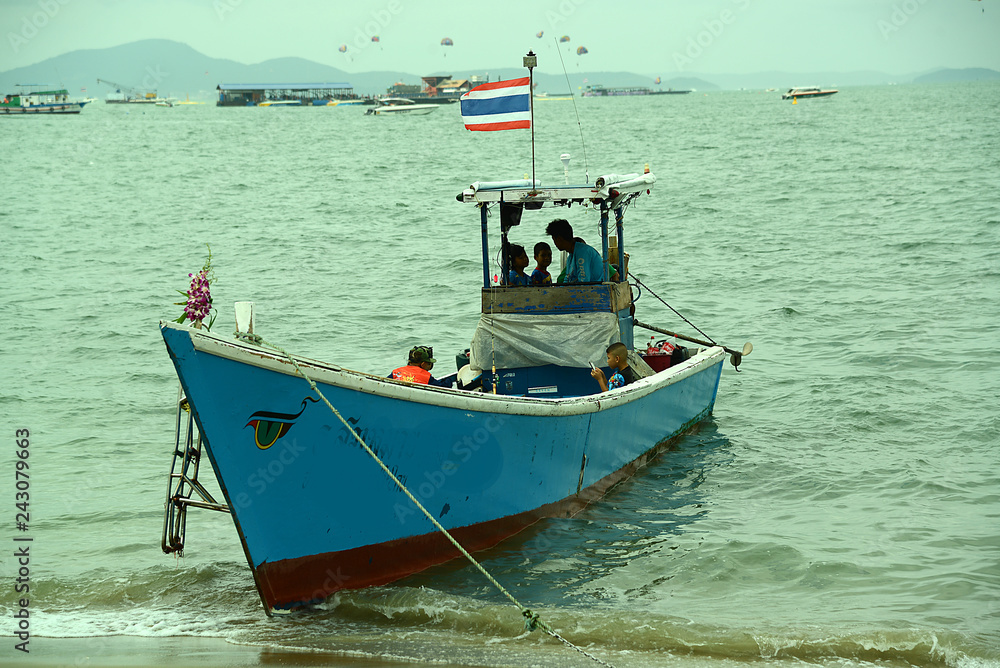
point(22, 542)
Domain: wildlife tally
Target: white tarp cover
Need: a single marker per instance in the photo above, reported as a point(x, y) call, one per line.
point(518, 340)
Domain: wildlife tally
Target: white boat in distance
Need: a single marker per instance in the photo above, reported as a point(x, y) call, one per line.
point(399, 105)
point(807, 91)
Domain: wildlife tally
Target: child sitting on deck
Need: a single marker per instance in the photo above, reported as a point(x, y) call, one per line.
point(543, 257)
point(618, 361)
point(518, 263)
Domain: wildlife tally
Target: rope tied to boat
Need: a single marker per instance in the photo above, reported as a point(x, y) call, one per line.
point(532, 619)
point(246, 337)
point(650, 291)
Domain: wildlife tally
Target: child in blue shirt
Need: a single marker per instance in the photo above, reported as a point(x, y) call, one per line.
point(518, 263)
point(543, 257)
point(622, 373)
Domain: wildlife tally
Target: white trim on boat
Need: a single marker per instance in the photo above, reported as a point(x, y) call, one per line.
point(329, 374)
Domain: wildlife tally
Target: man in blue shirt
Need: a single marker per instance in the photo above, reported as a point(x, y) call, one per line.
point(585, 264)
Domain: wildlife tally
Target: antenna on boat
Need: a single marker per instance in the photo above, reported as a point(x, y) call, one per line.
point(586, 166)
point(530, 61)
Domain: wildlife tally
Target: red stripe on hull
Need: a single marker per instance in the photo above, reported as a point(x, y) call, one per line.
point(292, 583)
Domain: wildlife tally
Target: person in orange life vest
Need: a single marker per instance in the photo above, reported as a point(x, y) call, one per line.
point(418, 368)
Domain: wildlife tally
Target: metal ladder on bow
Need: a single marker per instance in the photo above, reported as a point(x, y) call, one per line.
point(183, 482)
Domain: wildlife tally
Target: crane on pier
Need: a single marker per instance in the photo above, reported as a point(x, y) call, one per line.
point(129, 92)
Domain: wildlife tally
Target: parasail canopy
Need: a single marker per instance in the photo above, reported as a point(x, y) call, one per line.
point(564, 38)
point(580, 50)
point(447, 42)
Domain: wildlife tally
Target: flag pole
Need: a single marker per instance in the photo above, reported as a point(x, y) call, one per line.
point(530, 61)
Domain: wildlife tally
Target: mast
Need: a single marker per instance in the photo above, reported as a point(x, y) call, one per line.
point(530, 61)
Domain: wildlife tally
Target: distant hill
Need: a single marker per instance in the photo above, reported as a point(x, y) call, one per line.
point(783, 80)
point(687, 83)
point(172, 68)
point(952, 76)
point(175, 69)
point(556, 83)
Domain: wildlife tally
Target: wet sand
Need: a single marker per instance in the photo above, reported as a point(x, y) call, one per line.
point(128, 651)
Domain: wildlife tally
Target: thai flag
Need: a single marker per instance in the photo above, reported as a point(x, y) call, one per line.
point(501, 105)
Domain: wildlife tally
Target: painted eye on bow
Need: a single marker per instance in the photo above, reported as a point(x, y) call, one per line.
point(267, 432)
point(268, 427)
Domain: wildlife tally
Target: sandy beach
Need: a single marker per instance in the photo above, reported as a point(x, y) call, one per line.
point(131, 651)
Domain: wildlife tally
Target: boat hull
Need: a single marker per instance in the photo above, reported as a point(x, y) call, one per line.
point(623, 92)
point(822, 93)
point(43, 109)
point(316, 514)
point(412, 109)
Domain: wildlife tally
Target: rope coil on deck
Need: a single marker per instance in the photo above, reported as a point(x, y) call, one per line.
point(532, 620)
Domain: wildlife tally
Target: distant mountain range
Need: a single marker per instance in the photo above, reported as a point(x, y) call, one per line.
point(951, 76)
point(175, 69)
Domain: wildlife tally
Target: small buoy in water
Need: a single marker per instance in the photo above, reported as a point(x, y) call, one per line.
point(795, 100)
point(645, 169)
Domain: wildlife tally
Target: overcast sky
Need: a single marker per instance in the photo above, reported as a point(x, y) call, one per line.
point(645, 36)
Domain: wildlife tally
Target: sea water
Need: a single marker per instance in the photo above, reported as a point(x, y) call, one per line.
point(841, 508)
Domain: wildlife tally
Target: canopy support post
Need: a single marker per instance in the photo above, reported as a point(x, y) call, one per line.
point(486, 247)
point(604, 238)
point(619, 226)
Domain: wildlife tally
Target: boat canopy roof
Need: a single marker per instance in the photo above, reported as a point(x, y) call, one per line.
point(40, 89)
point(608, 187)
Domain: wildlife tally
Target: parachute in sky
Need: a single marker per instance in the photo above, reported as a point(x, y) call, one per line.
point(343, 48)
point(539, 34)
point(580, 50)
point(657, 81)
point(375, 38)
point(564, 38)
point(447, 42)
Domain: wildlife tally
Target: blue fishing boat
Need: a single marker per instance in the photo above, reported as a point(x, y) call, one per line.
point(526, 434)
